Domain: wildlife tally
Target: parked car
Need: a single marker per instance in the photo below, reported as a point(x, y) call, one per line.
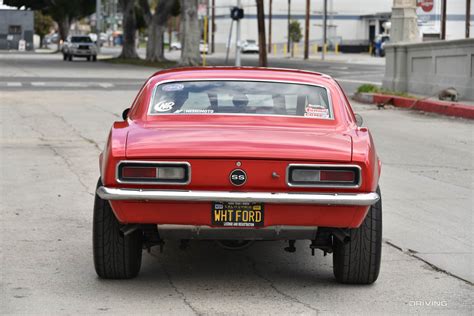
point(79, 46)
point(175, 45)
point(203, 47)
point(249, 47)
point(104, 38)
point(239, 155)
point(51, 39)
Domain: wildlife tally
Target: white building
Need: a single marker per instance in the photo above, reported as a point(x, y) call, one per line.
point(351, 23)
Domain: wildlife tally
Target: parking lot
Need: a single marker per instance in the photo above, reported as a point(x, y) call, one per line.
point(52, 133)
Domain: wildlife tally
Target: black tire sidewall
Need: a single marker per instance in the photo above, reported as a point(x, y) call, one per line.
point(358, 262)
point(115, 256)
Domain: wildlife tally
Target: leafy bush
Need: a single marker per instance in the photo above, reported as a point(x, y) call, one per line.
point(368, 88)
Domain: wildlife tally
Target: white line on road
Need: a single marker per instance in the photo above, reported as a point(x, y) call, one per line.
point(38, 84)
point(106, 85)
point(13, 84)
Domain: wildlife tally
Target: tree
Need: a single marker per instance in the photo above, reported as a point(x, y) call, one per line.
point(295, 32)
point(262, 60)
point(156, 23)
point(190, 33)
point(43, 25)
point(129, 24)
point(64, 12)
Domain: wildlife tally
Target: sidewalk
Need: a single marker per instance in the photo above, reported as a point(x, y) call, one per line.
point(350, 58)
point(362, 58)
point(431, 104)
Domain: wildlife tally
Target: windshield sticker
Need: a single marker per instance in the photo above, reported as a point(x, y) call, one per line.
point(195, 111)
point(317, 115)
point(173, 87)
point(164, 106)
point(316, 111)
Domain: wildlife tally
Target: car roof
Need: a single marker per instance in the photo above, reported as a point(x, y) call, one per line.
point(242, 73)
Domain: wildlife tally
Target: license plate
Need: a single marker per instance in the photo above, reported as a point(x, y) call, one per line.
point(237, 214)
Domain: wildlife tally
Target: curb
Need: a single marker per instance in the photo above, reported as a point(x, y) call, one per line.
point(425, 105)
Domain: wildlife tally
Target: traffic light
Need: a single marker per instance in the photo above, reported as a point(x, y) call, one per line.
point(236, 13)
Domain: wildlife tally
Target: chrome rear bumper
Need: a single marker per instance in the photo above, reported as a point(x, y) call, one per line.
point(356, 199)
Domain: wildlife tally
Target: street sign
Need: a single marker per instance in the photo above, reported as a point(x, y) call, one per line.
point(236, 13)
point(21, 45)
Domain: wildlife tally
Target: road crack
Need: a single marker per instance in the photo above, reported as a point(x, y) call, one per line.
point(273, 286)
point(71, 168)
point(179, 292)
point(175, 288)
point(42, 137)
point(415, 254)
point(90, 141)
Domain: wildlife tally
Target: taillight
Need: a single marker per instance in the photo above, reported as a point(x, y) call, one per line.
point(337, 176)
point(154, 172)
point(138, 172)
point(323, 175)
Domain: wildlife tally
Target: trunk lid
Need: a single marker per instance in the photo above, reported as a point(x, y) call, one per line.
point(158, 140)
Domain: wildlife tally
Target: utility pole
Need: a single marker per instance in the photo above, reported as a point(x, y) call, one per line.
point(325, 26)
point(262, 55)
point(270, 27)
point(213, 25)
point(98, 16)
point(207, 26)
point(114, 8)
point(170, 32)
point(443, 20)
point(306, 31)
point(289, 18)
point(468, 17)
point(229, 41)
point(237, 40)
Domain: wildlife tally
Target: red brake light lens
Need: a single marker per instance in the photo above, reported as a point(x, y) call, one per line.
point(337, 176)
point(138, 172)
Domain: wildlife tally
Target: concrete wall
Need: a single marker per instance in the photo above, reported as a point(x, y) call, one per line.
point(426, 68)
point(22, 18)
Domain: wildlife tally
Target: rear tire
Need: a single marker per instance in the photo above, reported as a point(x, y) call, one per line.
point(69, 57)
point(64, 57)
point(88, 58)
point(358, 262)
point(94, 58)
point(115, 256)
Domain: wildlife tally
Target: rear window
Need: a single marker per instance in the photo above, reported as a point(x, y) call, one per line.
point(241, 97)
point(81, 39)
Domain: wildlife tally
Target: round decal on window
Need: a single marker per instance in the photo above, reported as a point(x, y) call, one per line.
point(164, 106)
point(173, 87)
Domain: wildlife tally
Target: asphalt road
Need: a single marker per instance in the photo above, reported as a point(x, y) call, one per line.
point(51, 134)
point(37, 71)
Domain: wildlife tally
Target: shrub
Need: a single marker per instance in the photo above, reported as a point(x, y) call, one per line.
point(368, 88)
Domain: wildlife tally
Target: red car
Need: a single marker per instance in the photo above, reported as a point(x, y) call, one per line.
point(238, 155)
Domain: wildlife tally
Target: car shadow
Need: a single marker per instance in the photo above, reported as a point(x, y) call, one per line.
point(205, 260)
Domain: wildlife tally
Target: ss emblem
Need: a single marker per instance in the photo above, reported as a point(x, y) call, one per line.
point(238, 177)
